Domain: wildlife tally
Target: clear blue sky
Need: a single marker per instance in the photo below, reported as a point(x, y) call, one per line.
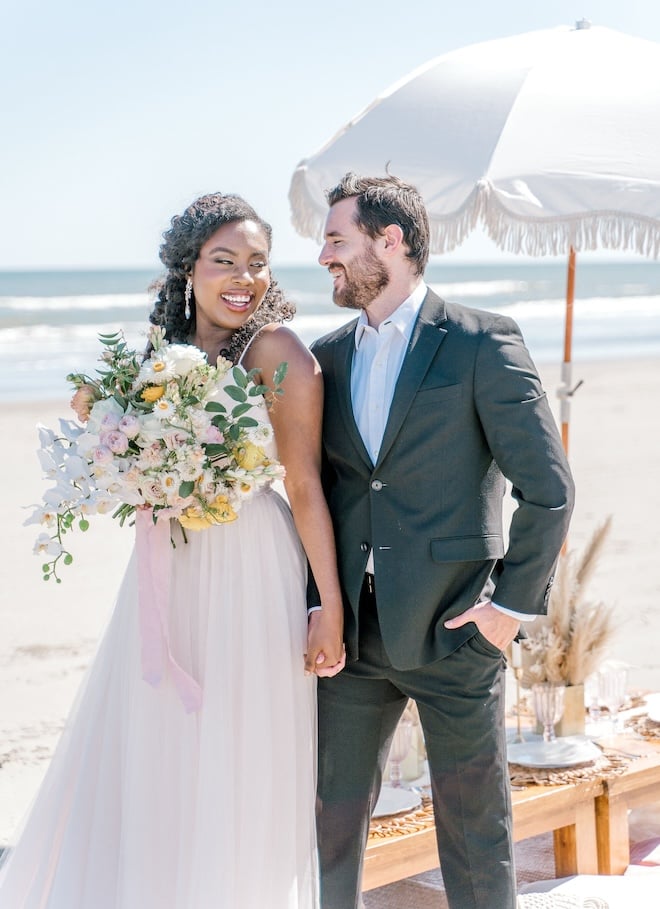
point(114, 116)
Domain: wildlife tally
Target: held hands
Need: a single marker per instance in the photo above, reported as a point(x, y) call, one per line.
point(326, 654)
point(497, 627)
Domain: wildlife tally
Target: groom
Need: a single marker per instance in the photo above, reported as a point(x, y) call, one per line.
point(428, 407)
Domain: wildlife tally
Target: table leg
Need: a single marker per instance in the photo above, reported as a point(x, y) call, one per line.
point(575, 845)
point(612, 834)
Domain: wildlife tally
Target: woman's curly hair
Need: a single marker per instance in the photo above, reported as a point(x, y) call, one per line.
point(179, 252)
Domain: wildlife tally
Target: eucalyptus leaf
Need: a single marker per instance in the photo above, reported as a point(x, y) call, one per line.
point(236, 393)
point(280, 373)
point(239, 377)
point(214, 449)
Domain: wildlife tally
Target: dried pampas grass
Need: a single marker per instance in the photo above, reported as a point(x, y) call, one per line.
point(570, 642)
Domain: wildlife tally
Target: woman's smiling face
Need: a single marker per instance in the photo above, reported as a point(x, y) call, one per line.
point(231, 275)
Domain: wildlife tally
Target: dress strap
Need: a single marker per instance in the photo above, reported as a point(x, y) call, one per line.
point(249, 344)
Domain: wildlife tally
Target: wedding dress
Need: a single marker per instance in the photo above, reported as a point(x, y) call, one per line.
point(146, 806)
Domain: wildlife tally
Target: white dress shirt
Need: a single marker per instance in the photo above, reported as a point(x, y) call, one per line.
point(377, 360)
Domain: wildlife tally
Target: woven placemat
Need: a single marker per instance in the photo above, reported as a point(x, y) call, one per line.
point(605, 766)
point(645, 726)
point(401, 824)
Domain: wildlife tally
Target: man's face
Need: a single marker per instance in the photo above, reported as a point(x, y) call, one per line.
point(351, 257)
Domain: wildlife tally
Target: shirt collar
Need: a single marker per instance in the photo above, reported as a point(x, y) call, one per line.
point(403, 317)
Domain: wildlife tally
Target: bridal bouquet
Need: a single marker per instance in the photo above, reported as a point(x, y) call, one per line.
point(170, 432)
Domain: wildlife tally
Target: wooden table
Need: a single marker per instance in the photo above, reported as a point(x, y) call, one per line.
point(568, 811)
point(638, 785)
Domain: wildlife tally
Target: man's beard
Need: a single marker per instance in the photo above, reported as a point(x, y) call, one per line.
point(369, 278)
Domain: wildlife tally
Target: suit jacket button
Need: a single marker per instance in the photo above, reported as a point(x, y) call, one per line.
point(376, 485)
point(364, 547)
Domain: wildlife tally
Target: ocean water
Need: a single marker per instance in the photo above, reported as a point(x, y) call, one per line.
point(50, 320)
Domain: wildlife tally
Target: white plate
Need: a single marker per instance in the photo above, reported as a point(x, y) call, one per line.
point(567, 751)
point(653, 707)
point(394, 801)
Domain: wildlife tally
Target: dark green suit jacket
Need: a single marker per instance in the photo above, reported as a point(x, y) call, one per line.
point(468, 410)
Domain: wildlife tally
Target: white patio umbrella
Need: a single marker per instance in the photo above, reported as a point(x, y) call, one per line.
point(549, 140)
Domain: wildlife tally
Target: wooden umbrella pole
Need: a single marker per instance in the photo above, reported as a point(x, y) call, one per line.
point(565, 390)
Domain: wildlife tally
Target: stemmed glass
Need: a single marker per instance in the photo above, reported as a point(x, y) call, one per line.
point(612, 686)
point(401, 742)
point(548, 699)
point(592, 698)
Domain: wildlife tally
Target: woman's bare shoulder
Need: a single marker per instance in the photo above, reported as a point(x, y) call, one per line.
point(276, 343)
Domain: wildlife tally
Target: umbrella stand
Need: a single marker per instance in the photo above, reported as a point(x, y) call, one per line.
point(565, 392)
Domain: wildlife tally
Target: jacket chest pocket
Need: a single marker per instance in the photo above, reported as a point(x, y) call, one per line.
point(430, 395)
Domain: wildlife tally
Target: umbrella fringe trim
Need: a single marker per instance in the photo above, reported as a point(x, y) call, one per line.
point(596, 230)
point(532, 237)
point(450, 232)
point(306, 218)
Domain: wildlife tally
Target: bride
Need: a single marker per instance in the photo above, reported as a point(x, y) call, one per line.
point(145, 806)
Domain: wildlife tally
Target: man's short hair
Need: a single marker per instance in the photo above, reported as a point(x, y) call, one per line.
point(382, 201)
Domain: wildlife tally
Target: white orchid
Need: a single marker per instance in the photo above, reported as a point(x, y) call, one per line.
point(46, 544)
point(41, 515)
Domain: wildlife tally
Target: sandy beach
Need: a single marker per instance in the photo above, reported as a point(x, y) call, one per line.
point(50, 632)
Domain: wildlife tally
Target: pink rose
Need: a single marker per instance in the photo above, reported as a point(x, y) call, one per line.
point(129, 425)
point(109, 422)
point(117, 442)
point(214, 435)
point(101, 455)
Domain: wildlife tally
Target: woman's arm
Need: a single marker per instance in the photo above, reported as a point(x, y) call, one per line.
point(297, 419)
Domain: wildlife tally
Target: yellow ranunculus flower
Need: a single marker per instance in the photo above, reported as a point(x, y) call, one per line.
point(219, 512)
point(249, 456)
point(152, 393)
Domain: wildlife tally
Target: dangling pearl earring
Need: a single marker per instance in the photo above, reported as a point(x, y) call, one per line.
point(187, 296)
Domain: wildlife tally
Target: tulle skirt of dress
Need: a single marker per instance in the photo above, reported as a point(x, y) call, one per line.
point(147, 807)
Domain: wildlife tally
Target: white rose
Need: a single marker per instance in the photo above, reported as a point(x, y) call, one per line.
point(183, 358)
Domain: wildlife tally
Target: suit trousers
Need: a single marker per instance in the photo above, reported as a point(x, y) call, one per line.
point(461, 706)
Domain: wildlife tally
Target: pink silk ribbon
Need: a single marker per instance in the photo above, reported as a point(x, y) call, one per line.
point(154, 555)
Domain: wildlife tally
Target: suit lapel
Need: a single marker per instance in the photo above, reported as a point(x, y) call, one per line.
point(424, 343)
